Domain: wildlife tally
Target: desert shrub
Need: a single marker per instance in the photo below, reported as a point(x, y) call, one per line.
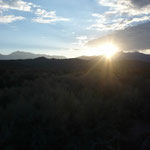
point(46, 108)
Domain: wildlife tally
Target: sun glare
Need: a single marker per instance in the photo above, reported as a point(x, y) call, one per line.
point(107, 50)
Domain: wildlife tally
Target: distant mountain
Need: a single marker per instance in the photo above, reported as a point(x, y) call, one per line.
point(89, 57)
point(122, 56)
point(132, 56)
point(26, 55)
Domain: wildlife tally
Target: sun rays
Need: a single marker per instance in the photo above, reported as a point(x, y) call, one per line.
point(106, 49)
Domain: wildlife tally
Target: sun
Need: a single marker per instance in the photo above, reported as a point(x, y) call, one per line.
point(106, 49)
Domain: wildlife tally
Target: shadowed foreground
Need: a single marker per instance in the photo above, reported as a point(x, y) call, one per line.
point(74, 105)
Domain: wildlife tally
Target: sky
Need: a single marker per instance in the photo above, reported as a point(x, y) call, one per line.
point(71, 27)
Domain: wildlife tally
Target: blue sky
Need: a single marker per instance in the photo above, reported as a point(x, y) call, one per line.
point(65, 27)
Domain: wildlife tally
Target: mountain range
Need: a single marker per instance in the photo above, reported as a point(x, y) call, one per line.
point(122, 56)
point(118, 56)
point(27, 55)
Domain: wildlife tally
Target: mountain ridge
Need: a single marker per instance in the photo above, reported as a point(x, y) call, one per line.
point(118, 56)
point(27, 55)
point(121, 56)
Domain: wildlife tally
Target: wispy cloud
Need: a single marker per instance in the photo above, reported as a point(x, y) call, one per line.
point(130, 39)
point(16, 4)
point(10, 18)
point(19, 5)
point(121, 14)
point(46, 21)
point(117, 24)
point(44, 16)
point(81, 40)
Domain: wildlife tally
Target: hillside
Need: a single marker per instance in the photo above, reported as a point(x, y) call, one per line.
point(73, 103)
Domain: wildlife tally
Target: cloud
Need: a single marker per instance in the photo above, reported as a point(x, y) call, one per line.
point(120, 14)
point(81, 40)
point(140, 3)
point(47, 17)
point(47, 21)
point(130, 39)
point(16, 4)
point(118, 24)
point(45, 14)
point(42, 15)
point(19, 5)
point(10, 18)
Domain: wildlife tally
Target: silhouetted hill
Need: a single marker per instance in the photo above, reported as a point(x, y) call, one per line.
point(89, 57)
point(42, 58)
point(122, 56)
point(70, 65)
point(74, 104)
point(26, 55)
point(132, 56)
point(44, 63)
